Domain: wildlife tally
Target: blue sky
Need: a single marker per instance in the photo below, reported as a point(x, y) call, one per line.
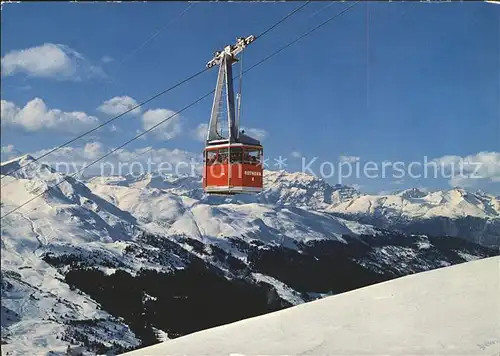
point(384, 82)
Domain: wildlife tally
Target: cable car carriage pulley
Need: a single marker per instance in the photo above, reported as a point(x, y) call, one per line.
point(232, 161)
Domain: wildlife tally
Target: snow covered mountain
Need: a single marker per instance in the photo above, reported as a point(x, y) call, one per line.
point(419, 314)
point(120, 262)
point(416, 203)
point(402, 209)
point(454, 212)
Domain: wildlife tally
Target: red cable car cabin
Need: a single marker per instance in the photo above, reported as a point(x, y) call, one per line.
point(232, 168)
point(234, 163)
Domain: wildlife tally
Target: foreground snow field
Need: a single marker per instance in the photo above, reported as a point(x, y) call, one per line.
point(448, 311)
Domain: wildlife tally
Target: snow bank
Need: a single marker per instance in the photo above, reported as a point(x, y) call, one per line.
point(448, 311)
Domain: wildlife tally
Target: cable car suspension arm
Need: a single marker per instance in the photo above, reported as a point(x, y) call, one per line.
point(225, 59)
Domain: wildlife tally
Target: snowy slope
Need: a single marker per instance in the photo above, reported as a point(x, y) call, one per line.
point(449, 311)
point(39, 310)
point(70, 208)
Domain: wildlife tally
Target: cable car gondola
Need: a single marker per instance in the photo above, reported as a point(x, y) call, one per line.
point(232, 161)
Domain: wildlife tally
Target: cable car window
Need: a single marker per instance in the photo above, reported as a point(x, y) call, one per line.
point(222, 157)
point(236, 155)
point(211, 157)
point(252, 156)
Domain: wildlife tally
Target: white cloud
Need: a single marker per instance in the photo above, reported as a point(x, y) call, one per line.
point(259, 134)
point(50, 61)
point(357, 186)
point(93, 150)
point(397, 182)
point(9, 152)
point(118, 105)
point(36, 116)
point(167, 130)
point(200, 133)
point(296, 154)
point(385, 192)
point(24, 87)
point(107, 59)
point(8, 111)
point(7, 149)
point(469, 171)
point(348, 159)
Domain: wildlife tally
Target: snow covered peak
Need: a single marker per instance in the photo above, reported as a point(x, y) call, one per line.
point(18, 160)
point(413, 193)
point(296, 177)
point(25, 176)
point(302, 189)
point(151, 180)
point(13, 167)
point(66, 208)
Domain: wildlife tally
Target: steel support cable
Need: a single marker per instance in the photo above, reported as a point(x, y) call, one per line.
point(142, 103)
point(181, 110)
point(323, 8)
point(283, 19)
point(302, 36)
point(157, 32)
point(150, 38)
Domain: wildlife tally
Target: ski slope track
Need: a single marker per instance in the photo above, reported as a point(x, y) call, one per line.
point(448, 311)
point(112, 264)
